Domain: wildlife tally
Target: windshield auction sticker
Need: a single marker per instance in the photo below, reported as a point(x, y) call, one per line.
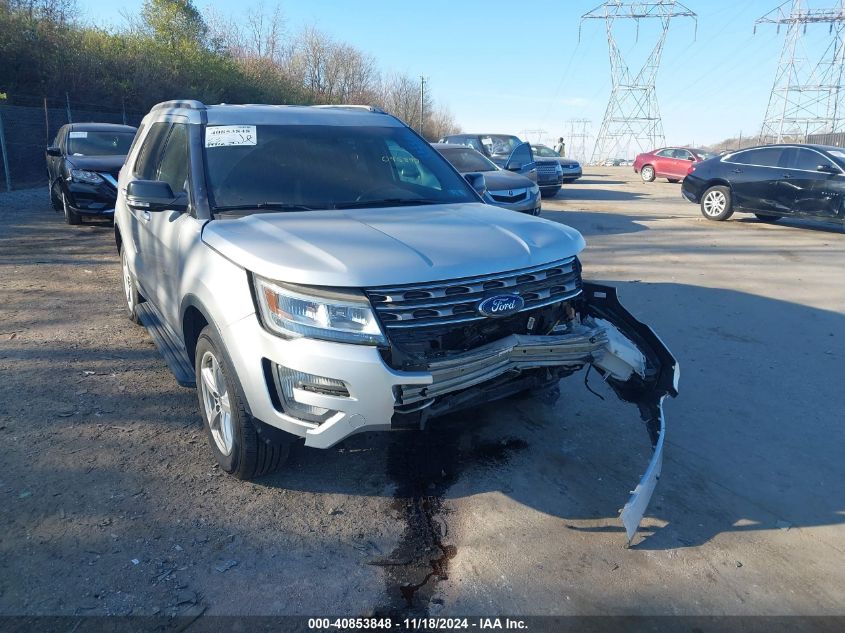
point(230, 135)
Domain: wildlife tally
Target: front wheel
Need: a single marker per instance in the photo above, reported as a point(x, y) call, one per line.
point(71, 216)
point(716, 203)
point(647, 173)
point(232, 432)
point(55, 197)
point(768, 218)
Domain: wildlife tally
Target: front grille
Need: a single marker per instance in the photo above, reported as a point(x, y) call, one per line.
point(505, 198)
point(548, 169)
point(456, 301)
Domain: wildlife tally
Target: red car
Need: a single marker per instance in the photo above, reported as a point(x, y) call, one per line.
point(671, 163)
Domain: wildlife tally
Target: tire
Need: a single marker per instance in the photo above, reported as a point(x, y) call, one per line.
point(647, 173)
point(131, 295)
point(238, 447)
point(768, 218)
point(549, 192)
point(71, 216)
point(55, 198)
point(673, 180)
point(716, 203)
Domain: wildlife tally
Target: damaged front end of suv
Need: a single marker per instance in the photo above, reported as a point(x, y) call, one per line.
point(546, 325)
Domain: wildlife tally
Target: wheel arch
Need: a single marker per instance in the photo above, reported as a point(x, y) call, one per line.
point(195, 317)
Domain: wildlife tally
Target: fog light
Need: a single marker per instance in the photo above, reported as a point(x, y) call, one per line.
point(289, 379)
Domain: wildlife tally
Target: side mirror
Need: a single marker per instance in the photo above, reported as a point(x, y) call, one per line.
point(477, 182)
point(154, 195)
point(828, 169)
point(53, 150)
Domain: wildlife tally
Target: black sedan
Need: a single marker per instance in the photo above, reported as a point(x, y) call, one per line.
point(771, 181)
point(83, 164)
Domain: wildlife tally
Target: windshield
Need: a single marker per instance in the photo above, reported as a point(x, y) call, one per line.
point(500, 144)
point(546, 152)
point(308, 167)
point(99, 143)
point(466, 160)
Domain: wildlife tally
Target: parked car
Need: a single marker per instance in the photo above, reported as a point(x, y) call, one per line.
point(668, 162)
point(284, 264)
point(507, 151)
point(771, 182)
point(571, 169)
point(83, 164)
point(504, 188)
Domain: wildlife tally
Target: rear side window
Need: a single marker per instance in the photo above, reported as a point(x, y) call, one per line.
point(173, 168)
point(666, 153)
point(148, 157)
point(764, 157)
point(809, 160)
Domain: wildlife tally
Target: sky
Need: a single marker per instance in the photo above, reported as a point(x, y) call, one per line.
point(502, 67)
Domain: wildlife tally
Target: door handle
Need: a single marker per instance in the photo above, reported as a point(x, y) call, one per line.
point(737, 171)
point(787, 176)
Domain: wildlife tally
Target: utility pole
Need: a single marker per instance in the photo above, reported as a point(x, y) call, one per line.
point(422, 102)
point(578, 136)
point(632, 114)
point(806, 98)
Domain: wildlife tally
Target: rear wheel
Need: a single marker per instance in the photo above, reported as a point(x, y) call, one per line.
point(768, 218)
point(71, 216)
point(716, 203)
point(233, 433)
point(130, 289)
point(647, 173)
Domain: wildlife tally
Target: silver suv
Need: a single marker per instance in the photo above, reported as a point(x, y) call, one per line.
point(323, 271)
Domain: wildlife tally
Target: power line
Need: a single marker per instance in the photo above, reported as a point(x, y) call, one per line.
point(632, 115)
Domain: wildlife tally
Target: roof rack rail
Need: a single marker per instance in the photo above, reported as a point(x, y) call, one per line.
point(191, 104)
point(353, 106)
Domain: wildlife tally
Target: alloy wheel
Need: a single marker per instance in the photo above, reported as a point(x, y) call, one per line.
point(215, 398)
point(714, 203)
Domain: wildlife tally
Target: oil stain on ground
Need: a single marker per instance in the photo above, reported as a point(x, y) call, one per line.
point(423, 466)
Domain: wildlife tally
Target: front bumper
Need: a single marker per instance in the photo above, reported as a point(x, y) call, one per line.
point(571, 175)
point(633, 360)
point(88, 199)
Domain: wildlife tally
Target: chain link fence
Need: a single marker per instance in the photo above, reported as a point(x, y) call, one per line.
point(27, 130)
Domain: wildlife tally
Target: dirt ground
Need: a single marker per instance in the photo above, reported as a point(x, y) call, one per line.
point(112, 504)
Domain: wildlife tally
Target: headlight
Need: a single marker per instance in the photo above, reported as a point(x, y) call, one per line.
point(533, 190)
point(345, 317)
point(83, 175)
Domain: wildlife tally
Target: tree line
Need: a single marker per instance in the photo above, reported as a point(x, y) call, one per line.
point(173, 50)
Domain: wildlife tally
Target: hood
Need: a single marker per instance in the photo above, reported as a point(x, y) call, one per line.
point(110, 164)
point(390, 246)
point(498, 180)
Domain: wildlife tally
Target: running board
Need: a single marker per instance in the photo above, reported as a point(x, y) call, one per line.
point(169, 346)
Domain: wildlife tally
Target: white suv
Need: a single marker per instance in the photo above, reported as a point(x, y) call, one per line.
point(323, 271)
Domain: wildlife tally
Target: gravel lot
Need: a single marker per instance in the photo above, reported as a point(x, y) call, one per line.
point(112, 505)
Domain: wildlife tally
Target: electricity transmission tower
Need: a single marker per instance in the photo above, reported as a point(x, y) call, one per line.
point(578, 136)
point(632, 115)
point(806, 98)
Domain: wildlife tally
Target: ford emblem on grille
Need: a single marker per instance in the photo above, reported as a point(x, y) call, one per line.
point(501, 305)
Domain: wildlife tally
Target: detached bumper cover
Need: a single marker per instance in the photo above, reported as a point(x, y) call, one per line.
point(627, 353)
point(648, 394)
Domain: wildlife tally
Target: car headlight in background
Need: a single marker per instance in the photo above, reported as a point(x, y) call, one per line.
point(83, 175)
point(341, 316)
point(533, 190)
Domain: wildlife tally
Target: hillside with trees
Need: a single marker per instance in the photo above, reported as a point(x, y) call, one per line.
point(172, 50)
